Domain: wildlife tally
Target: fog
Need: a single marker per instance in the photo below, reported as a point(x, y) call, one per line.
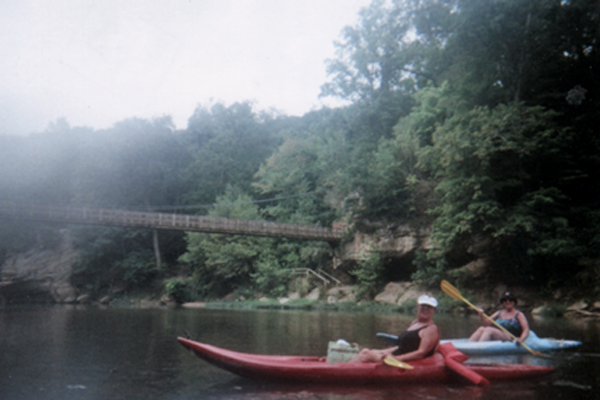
point(96, 63)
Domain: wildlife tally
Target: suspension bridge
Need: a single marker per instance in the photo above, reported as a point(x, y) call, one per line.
point(166, 221)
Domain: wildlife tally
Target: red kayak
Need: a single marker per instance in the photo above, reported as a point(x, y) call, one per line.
point(318, 370)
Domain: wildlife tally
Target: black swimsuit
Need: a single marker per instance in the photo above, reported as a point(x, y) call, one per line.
point(410, 341)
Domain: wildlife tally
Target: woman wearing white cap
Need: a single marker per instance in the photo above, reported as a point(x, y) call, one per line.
point(419, 341)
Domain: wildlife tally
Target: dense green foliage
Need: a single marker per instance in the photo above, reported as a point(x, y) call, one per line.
point(477, 117)
point(179, 290)
point(368, 276)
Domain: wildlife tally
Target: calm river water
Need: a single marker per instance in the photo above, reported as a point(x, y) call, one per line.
point(74, 352)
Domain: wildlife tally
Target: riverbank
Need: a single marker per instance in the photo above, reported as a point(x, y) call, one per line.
point(44, 276)
point(386, 302)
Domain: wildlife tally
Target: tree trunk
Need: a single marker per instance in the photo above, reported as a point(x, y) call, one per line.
point(156, 247)
point(522, 60)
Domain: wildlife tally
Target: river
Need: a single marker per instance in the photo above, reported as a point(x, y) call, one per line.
point(87, 352)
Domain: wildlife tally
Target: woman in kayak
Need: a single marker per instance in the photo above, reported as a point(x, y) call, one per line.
point(509, 318)
point(419, 341)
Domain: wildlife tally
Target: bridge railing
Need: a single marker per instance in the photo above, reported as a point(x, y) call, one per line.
point(183, 222)
point(322, 275)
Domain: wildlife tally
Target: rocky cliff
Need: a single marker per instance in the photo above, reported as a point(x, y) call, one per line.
point(394, 240)
point(40, 275)
point(398, 244)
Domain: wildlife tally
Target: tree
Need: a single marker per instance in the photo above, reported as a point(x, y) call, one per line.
point(390, 187)
point(136, 163)
point(500, 175)
point(228, 144)
point(396, 49)
point(367, 65)
point(390, 51)
point(375, 68)
point(113, 258)
point(296, 178)
point(222, 263)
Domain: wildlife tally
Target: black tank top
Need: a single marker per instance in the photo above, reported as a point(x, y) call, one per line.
point(410, 341)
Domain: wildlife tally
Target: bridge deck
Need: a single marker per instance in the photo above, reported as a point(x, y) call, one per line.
point(182, 222)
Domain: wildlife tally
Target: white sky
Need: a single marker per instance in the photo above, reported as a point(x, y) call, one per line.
point(97, 62)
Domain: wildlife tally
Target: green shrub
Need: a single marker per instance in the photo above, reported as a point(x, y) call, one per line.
point(138, 268)
point(179, 290)
point(408, 307)
point(368, 275)
point(270, 277)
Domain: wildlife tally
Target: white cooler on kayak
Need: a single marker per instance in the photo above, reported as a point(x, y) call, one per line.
point(341, 351)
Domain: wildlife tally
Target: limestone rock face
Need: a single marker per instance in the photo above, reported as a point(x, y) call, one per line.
point(541, 310)
point(394, 240)
point(578, 306)
point(40, 275)
point(341, 294)
point(315, 294)
point(392, 292)
point(411, 293)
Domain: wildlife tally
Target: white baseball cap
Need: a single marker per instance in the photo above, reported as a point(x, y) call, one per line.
point(428, 300)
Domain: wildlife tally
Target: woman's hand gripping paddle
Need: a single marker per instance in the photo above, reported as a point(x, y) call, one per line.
point(455, 294)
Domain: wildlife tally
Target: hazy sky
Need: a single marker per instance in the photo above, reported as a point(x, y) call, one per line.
point(96, 62)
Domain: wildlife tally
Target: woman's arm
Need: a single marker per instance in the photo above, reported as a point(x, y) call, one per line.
point(484, 320)
point(524, 325)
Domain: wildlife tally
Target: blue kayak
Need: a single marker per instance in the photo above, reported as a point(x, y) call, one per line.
point(499, 347)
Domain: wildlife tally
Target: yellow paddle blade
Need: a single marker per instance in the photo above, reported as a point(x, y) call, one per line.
point(393, 362)
point(450, 290)
point(454, 293)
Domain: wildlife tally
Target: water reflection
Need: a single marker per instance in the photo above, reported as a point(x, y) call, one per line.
point(409, 392)
point(58, 352)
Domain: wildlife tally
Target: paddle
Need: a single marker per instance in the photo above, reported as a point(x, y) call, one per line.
point(455, 294)
point(391, 339)
point(393, 362)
